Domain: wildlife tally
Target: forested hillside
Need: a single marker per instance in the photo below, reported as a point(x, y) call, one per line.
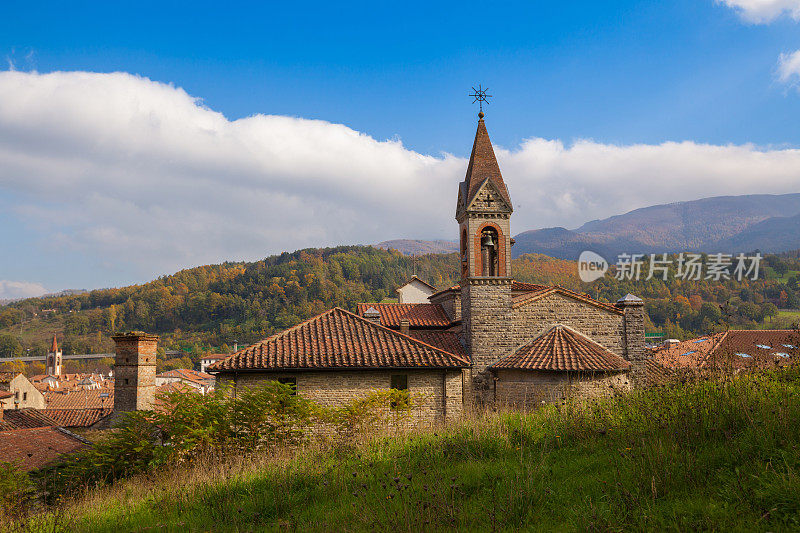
point(208, 308)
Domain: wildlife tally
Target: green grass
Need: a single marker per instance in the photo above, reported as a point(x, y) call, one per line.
point(712, 456)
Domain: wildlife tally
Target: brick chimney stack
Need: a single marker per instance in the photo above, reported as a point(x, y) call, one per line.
point(135, 371)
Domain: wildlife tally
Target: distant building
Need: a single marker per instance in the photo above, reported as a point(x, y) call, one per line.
point(200, 381)
point(20, 392)
point(414, 291)
point(730, 352)
point(54, 359)
point(211, 358)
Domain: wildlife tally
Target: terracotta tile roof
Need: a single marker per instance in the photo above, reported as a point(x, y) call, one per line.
point(736, 349)
point(482, 166)
point(563, 349)
point(79, 399)
point(656, 373)
point(418, 315)
point(516, 286)
point(34, 448)
point(77, 418)
point(528, 297)
point(5, 395)
point(444, 340)
point(338, 339)
point(25, 419)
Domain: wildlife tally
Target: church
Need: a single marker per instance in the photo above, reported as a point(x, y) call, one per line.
point(490, 341)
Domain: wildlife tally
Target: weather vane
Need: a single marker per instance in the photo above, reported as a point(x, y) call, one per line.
point(480, 96)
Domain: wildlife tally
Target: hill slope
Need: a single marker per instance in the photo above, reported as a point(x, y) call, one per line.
point(707, 225)
point(705, 457)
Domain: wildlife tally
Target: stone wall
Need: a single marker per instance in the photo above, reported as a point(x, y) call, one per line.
point(451, 303)
point(486, 316)
point(604, 327)
point(135, 372)
point(635, 350)
point(529, 389)
point(441, 390)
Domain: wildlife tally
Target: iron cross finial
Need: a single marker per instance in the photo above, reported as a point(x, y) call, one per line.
point(480, 96)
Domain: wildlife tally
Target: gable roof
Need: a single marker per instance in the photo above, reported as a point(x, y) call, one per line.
point(482, 166)
point(338, 339)
point(25, 418)
point(74, 418)
point(736, 348)
point(516, 286)
point(418, 315)
point(417, 279)
point(563, 349)
point(79, 398)
point(36, 447)
point(188, 374)
point(444, 340)
point(532, 296)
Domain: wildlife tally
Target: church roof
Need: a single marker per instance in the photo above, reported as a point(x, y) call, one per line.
point(532, 296)
point(418, 315)
point(338, 339)
point(482, 166)
point(54, 347)
point(563, 349)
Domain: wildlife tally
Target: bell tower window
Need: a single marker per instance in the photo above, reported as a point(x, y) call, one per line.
point(489, 255)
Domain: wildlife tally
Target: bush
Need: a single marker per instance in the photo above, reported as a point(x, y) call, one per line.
point(16, 491)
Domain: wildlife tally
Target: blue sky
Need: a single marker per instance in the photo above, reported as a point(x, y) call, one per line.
point(617, 75)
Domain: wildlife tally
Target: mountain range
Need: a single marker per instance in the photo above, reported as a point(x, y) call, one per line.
point(731, 224)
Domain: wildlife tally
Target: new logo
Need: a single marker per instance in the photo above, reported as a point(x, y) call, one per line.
point(591, 266)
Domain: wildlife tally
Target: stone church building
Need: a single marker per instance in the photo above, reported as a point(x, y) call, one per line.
point(488, 341)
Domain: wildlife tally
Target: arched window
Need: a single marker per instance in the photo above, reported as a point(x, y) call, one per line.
point(489, 252)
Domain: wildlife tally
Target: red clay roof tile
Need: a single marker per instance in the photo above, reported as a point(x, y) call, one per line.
point(34, 448)
point(338, 339)
point(563, 349)
point(418, 315)
point(77, 418)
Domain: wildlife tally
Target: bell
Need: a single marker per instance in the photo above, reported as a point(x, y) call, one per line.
point(487, 240)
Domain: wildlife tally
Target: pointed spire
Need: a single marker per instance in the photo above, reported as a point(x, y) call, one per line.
point(483, 165)
point(54, 348)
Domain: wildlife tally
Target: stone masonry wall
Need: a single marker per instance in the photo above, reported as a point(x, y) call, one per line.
point(134, 372)
point(636, 351)
point(531, 389)
point(486, 317)
point(604, 327)
point(441, 390)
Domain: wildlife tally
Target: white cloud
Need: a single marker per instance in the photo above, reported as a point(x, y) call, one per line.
point(13, 290)
point(789, 66)
point(138, 173)
point(764, 11)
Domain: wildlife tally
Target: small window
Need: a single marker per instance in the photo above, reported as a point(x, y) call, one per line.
point(289, 381)
point(126, 381)
point(24, 396)
point(399, 382)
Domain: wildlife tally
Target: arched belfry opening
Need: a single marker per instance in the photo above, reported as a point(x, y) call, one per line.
point(489, 253)
point(464, 259)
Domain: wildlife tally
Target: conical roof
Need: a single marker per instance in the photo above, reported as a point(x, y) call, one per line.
point(482, 166)
point(54, 347)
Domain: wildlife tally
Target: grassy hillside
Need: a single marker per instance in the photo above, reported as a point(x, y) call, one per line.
point(712, 456)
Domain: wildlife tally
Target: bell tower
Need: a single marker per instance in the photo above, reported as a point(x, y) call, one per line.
point(483, 212)
point(54, 359)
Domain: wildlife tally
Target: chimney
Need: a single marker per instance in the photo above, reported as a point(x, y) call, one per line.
point(633, 329)
point(135, 371)
point(373, 315)
point(404, 325)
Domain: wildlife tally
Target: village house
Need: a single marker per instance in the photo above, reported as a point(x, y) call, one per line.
point(199, 381)
point(20, 393)
point(730, 352)
point(488, 341)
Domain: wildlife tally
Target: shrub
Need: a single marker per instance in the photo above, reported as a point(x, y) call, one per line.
point(15, 492)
